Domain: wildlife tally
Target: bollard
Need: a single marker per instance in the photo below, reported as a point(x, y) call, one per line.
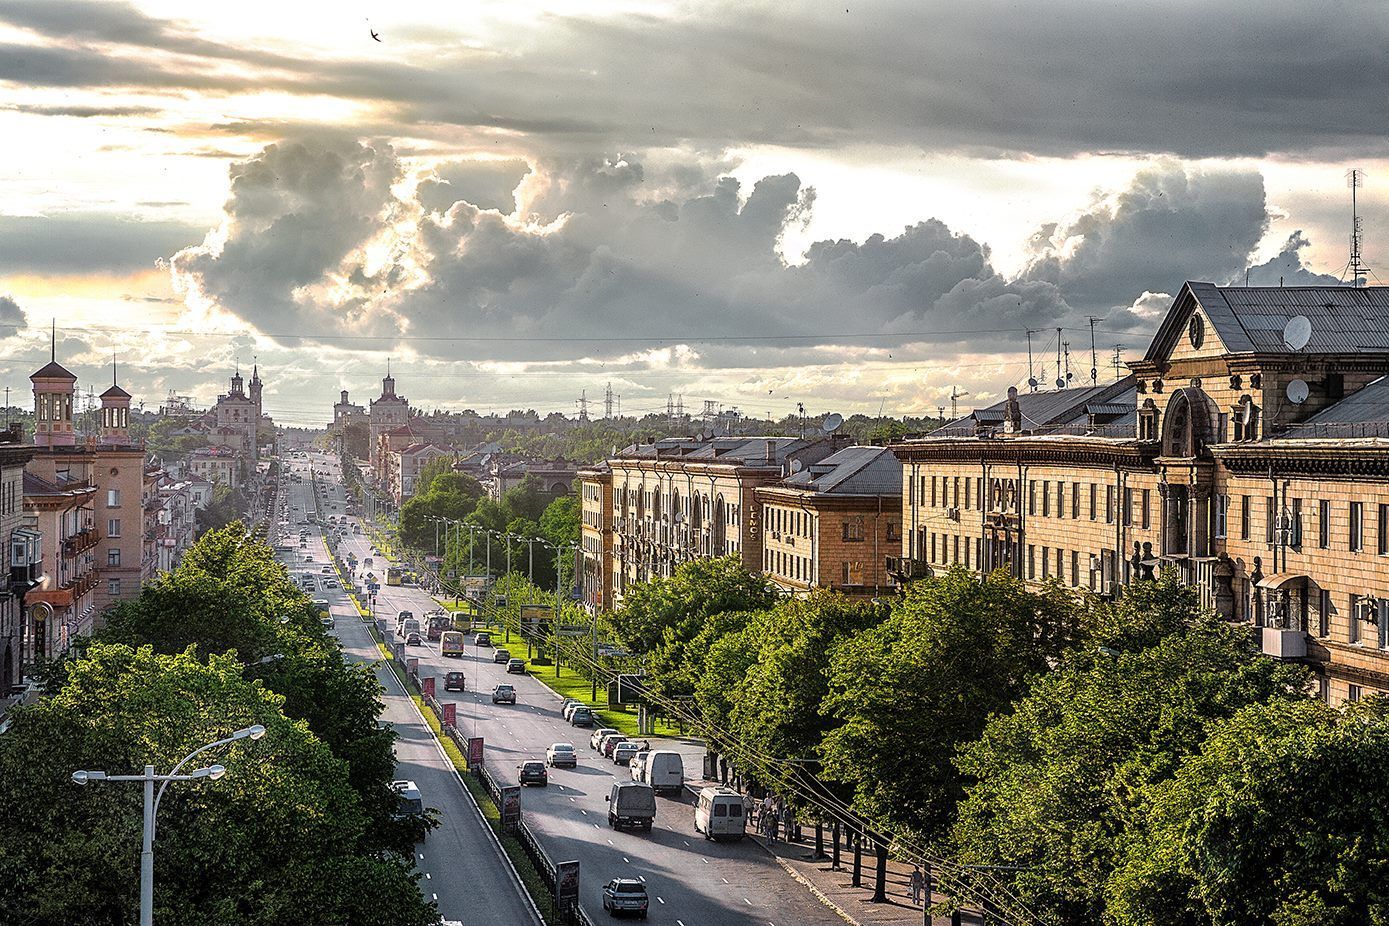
point(819, 840)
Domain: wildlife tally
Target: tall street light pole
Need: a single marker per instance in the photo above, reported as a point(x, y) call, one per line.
point(148, 778)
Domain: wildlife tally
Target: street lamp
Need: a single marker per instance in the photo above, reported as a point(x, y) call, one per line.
point(148, 778)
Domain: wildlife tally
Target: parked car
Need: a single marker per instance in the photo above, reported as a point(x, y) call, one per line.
point(502, 656)
point(532, 773)
point(483, 638)
point(453, 681)
point(608, 743)
point(503, 694)
point(566, 704)
point(516, 666)
point(719, 813)
point(624, 752)
point(562, 754)
point(582, 717)
point(663, 770)
point(598, 735)
point(570, 708)
point(625, 895)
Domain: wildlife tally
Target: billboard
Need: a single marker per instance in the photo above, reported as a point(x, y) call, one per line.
point(536, 621)
point(511, 805)
point(567, 881)
point(474, 751)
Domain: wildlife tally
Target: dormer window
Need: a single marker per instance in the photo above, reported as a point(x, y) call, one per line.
point(1148, 421)
point(1245, 417)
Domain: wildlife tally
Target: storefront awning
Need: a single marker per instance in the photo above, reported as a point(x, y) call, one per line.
point(1282, 580)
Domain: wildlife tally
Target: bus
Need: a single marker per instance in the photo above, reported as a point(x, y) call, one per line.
point(394, 575)
point(451, 643)
point(321, 606)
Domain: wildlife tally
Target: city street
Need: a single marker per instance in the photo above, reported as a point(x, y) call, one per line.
point(691, 881)
point(464, 869)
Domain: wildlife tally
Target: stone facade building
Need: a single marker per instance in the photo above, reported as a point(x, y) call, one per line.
point(22, 565)
point(1248, 450)
point(834, 523)
point(346, 414)
point(596, 537)
point(388, 413)
point(235, 419)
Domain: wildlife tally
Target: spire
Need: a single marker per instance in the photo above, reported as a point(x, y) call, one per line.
point(113, 369)
point(53, 343)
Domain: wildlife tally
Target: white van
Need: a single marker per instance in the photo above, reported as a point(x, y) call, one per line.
point(719, 814)
point(664, 771)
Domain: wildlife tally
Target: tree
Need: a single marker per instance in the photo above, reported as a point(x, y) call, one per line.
point(526, 499)
point(280, 836)
point(450, 496)
point(1280, 818)
point(904, 693)
point(561, 521)
point(225, 507)
point(1056, 781)
point(778, 709)
point(432, 469)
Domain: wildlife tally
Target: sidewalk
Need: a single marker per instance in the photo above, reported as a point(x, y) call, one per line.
point(835, 888)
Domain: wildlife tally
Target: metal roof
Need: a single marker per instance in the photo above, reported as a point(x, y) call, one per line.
point(1038, 409)
point(1369, 403)
point(853, 471)
point(1345, 319)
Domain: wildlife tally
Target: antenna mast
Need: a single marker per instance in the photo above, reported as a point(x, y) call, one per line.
point(1118, 360)
point(1094, 361)
point(1355, 178)
point(1031, 376)
point(955, 396)
point(1060, 380)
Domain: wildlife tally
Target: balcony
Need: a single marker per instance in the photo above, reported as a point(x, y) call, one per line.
point(906, 569)
point(81, 542)
point(1281, 643)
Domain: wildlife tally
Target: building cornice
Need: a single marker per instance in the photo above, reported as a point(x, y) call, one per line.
point(1076, 450)
point(1346, 458)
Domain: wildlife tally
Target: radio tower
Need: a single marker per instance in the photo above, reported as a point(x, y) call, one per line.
point(583, 405)
point(608, 401)
point(1355, 178)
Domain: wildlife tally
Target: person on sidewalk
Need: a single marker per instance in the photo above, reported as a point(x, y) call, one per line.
point(916, 884)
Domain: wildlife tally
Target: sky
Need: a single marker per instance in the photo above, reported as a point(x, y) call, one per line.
point(856, 207)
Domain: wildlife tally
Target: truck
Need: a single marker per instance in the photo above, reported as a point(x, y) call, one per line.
point(631, 804)
point(451, 643)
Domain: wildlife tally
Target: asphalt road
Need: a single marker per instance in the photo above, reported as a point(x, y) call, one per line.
point(463, 868)
point(691, 881)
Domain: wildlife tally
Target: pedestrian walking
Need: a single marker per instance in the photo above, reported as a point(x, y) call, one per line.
point(916, 884)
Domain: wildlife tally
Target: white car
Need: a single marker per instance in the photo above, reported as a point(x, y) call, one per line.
point(561, 754)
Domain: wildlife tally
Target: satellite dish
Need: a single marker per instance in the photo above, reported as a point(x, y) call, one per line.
point(1297, 391)
point(1297, 332)
point(1060, 383)
point(832, 423)
point(795, 466)
point(1032, 381)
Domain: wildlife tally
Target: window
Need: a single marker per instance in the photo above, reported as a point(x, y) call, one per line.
point(1060, 499)
point(1128, 507)
point(1075, 501)
point(1093, 510)
point(113, 587)
point(1060, 565)
point(933, 491)
point(956, 557)
point(1324, 613)
point(1031, 561)
point(967, 546)
point(853, 529)
point(1270, 520)
point(113, 527)
point(1147, 509)
point(113, 498)
point(1244, 517)
point(1222, 515)
point(1046, 499)
point(113, 556)
point(1353, 693)
point(1296, 538)
point(1109, 504)
point(1075, 568)
point(1222, 426)
point(933, 546)
point(955, 492)
point(1383, 530)
point(1046, 557)
point(1353, 611)
point(1357, 526)
point(1323, 524)
point(1031, 497)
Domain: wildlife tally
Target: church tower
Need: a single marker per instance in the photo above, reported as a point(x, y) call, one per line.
point(115, 414)
point(53, 393)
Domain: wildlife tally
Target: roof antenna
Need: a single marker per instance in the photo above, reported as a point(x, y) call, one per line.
point(1031, 377)
point(1094, 361)
point(113, 369)
point(53, 344)
point(1060, 381)
point(1355, 178)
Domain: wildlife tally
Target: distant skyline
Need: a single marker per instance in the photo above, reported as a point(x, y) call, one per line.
point(761, 204)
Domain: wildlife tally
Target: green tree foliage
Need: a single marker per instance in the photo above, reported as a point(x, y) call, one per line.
point(661, 617)
point(726, 660)
point(1280, 818)
point(561, 521)
point(1057, 781)
point(905, 693)
point(224, 507)
point(230, 596)
point(356, 442)
point(431, 470)
point(778, 708)
point(450, 495)
point(527, 499)
point(282, 836)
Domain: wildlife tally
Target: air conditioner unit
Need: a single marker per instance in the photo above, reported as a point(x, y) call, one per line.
point(1095, 564)
point(953, 513)
point(1366, 610)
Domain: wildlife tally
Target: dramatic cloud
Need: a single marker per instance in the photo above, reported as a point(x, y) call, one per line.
point(84, 242)
point(485, 184)
point(1286, 268)
point(1059, 78)
point(12, 317)
point(591, 263)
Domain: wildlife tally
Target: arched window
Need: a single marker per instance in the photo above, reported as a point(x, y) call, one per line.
point(1187, 428)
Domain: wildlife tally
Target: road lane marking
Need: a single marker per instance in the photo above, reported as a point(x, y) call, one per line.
point(659, 900)
point(595, 826)
point(724, 880)
point(584, 812)
point(748, 902)
point(687, 843)
point(627, 860)
point(421, 856)
point(428, 876)
point(434, 897)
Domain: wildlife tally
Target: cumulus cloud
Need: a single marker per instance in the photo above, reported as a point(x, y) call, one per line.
point(12, 317)
point(1286, 268)
point(88, 242)
point(485, 184)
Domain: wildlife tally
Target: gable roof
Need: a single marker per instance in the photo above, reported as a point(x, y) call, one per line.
point(853, 471)
point(1040, 409)
point(1250, 319)
point(53, 370)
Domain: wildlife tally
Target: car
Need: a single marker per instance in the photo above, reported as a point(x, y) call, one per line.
point(328, 623)
point(327, 569)
point(453, 681)
point(625, 895)
point(516, 666)
point(413, 638)
point(581, 717)
point(403, 615)
point(483, 638)
point(566, 704)
point(501, 656)
point(608, 743)
point(330, 583)
point(598, 735)
point(503, 694)
point(409, 806)
point(623, 753)
point(532, 773)
point(562, 754)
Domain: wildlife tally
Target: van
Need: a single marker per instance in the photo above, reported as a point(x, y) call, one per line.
point(451, 643)
point(631, 804)
point(664, 771)
point(719, 814)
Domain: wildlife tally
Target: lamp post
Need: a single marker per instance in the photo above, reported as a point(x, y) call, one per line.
point(148, 778)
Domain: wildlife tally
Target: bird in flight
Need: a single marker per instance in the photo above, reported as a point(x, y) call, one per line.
point(374, 35)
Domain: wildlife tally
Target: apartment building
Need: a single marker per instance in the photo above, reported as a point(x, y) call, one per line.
point(404, 466)
point(23, 552)
point(596, 537)
point(1248, 449)
point(834, 523)
point(685, 498)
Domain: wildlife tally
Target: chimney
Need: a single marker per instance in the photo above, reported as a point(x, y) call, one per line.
point(771, 451)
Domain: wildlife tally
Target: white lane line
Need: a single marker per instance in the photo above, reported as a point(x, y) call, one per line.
point(705, 861)
point(687, 843)
point(748, 902)
point(434, 897)
point(421, 856)
point(585, 813)
point(595, 826)
point(627, 860)
point(658, 900)
point(724, 880)
point(679, 923)
point(428, 876)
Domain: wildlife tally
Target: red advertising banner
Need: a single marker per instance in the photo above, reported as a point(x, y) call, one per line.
point(474, 751)
point(511, 805)
point(450, 714)
point(567, 881)
point(427, 686)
